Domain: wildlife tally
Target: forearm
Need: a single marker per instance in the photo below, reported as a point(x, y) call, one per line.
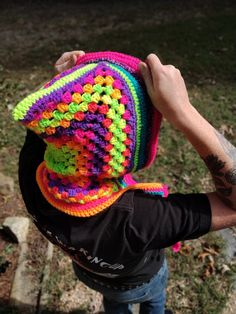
point(218, 154)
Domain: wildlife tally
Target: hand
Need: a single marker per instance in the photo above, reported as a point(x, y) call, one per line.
point(68, 60)
point(166, 89)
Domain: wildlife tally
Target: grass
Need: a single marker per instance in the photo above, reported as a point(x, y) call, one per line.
point(195, 283)
point(202, 44)
point(201, 47)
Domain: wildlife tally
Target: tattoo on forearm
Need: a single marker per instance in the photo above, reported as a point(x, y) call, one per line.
point(215, 165)
point(230, 150)
point(224, 180)
point(230, 176)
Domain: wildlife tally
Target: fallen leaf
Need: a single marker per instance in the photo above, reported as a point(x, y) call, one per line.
point(225, 268)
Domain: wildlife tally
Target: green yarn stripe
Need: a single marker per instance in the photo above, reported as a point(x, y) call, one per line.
point(125, 76)
point(22, 107)
point(61, 160)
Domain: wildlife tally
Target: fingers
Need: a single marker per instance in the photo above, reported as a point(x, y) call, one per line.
point(66, 55)
point(171, 68)
point(150, 70)
point(78, 53)
point(146, 74)
point(65, 66)
point(154, 63)
point(157, 69)
point(68, 60)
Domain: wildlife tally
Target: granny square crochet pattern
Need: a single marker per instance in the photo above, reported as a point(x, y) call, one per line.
point(99, 126)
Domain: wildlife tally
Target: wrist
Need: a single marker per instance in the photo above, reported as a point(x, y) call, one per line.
point(184, 118)
point(198, 131)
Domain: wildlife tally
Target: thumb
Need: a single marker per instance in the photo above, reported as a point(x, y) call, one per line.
point(66, 65)
point(154, 65)
point(146, 74)
point(72, 61)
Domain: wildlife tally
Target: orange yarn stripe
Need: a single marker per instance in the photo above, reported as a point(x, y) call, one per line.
point(91, 210)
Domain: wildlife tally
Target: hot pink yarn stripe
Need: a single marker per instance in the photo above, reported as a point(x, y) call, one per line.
point(121, 58)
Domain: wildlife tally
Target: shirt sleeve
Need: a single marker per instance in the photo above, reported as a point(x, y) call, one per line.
point(158, 222)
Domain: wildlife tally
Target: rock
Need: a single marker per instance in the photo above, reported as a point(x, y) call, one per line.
point(229, 235)
point(44, 297)
point(17, 228)
point(6, 184)
point(23, 293)
point(230, 239)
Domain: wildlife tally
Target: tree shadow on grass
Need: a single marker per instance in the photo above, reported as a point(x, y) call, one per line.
point(202, 47)
point(201, 44)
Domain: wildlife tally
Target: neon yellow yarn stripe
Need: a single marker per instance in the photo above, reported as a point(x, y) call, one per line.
point(138, 120)
point(23, 106)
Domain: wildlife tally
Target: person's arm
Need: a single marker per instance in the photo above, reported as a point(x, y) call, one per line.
point(168, 93)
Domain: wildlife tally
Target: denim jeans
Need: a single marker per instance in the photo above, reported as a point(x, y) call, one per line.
point(151, 295)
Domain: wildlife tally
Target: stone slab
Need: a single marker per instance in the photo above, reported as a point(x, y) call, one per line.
point(17, 228)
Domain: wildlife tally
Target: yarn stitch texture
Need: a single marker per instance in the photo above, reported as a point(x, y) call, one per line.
point(99, 126)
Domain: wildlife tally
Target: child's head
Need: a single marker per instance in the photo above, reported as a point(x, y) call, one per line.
point(97, 121)
point(96, 117)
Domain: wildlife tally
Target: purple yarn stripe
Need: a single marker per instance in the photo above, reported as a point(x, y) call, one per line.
point(67, 72)
point(93, 120)
point(55, 96)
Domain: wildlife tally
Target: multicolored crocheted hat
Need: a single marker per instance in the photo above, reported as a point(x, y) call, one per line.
point(99, 126)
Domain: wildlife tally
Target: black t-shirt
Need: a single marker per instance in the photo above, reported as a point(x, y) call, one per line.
point(124, 244)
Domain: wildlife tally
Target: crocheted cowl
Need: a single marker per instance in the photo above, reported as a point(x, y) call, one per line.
point(99, 126)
